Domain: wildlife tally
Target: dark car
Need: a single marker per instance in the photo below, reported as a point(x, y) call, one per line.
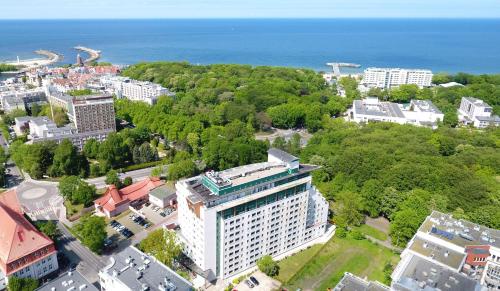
point(254, 280)
point(249, 284)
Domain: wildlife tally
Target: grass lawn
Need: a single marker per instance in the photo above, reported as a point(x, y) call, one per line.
point(371, 231)
point(291, 265)
point(72, 209)
point(325, 269)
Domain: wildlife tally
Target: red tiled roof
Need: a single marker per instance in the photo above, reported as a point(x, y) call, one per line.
point(18, 237)
point(114, 197)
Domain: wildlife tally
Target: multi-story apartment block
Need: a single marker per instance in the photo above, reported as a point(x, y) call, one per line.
point(386, 78)
point(93, 113)
point(230, 219)
point(476, 112)
point(132, 270)
point(418, 112)
point(450, 254)
point(93, 117)
point(21, 98)
point(24, 251)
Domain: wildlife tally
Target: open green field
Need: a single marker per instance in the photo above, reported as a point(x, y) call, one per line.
point(371, 231)
point(324, 268)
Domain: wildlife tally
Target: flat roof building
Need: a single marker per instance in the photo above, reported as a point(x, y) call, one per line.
point(417, 112)
point(351, 282)
point(445, 248)
point(386, 78)
point(229, 219)
point(131, 269)
point(72, 280)
point(477, 112)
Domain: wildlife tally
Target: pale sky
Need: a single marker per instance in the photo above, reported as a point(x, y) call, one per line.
point(52, 9)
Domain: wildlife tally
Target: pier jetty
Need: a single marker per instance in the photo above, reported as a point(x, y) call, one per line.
point(336, 67)
point(94, 55)
point(26, 65)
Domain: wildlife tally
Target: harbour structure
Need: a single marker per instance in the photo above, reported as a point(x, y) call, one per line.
point(25, 252)
point(336, 67)
point(449, 254)
point(132, 270)
point(134, 90)
point(476, 112)
point(94, 55)
point(25, 65)
point(230, 219)
point(417, 112)
point(387, 78)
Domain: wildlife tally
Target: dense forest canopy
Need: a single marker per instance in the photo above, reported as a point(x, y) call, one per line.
point(399, 171)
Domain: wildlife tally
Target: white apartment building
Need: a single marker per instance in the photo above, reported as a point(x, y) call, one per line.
point(386, 78)
point(134, 90)
point(230, 219)
point(417, 112)
point(477, 112)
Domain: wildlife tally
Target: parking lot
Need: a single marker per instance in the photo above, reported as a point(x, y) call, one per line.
point(154, 213)
point(264, 283)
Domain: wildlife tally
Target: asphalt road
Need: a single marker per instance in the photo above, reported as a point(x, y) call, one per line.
point(88, 263)
point(136, 175)
point(13, 174)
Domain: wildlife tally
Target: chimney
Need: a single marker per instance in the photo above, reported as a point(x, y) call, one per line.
point(20, 234)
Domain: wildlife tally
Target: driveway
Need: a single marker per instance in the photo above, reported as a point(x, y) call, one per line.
point(265, 283)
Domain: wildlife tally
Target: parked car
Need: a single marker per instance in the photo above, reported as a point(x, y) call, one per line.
point(163, 214)
point(249, 284)
point(254, 280)
point(147, 204)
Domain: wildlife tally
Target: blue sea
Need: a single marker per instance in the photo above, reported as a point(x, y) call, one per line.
point(441, 45)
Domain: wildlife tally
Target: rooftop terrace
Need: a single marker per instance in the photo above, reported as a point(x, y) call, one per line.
point(138, 271)
point(68, 281)
point(439, 253)
point(459, 232)
point(422, 274)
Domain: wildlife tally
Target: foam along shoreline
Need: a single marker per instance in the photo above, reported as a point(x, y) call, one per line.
point(34, 63)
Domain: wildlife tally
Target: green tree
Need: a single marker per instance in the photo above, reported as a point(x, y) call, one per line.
point(76, 190)
point(371, 194)
point(91, 148)
point(163, 245)
point(112, 178)
point(92, 232)
point(268, 266)
point(49, 228)
point(127, 181)
point(22, 284)
point(348, 210)
point(66, 160)
point(181, 169)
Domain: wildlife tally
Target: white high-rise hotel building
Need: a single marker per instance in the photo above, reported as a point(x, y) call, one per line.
point(230, 219)
point(386, 78)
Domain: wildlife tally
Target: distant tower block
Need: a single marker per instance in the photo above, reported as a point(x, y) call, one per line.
point(79, 60)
